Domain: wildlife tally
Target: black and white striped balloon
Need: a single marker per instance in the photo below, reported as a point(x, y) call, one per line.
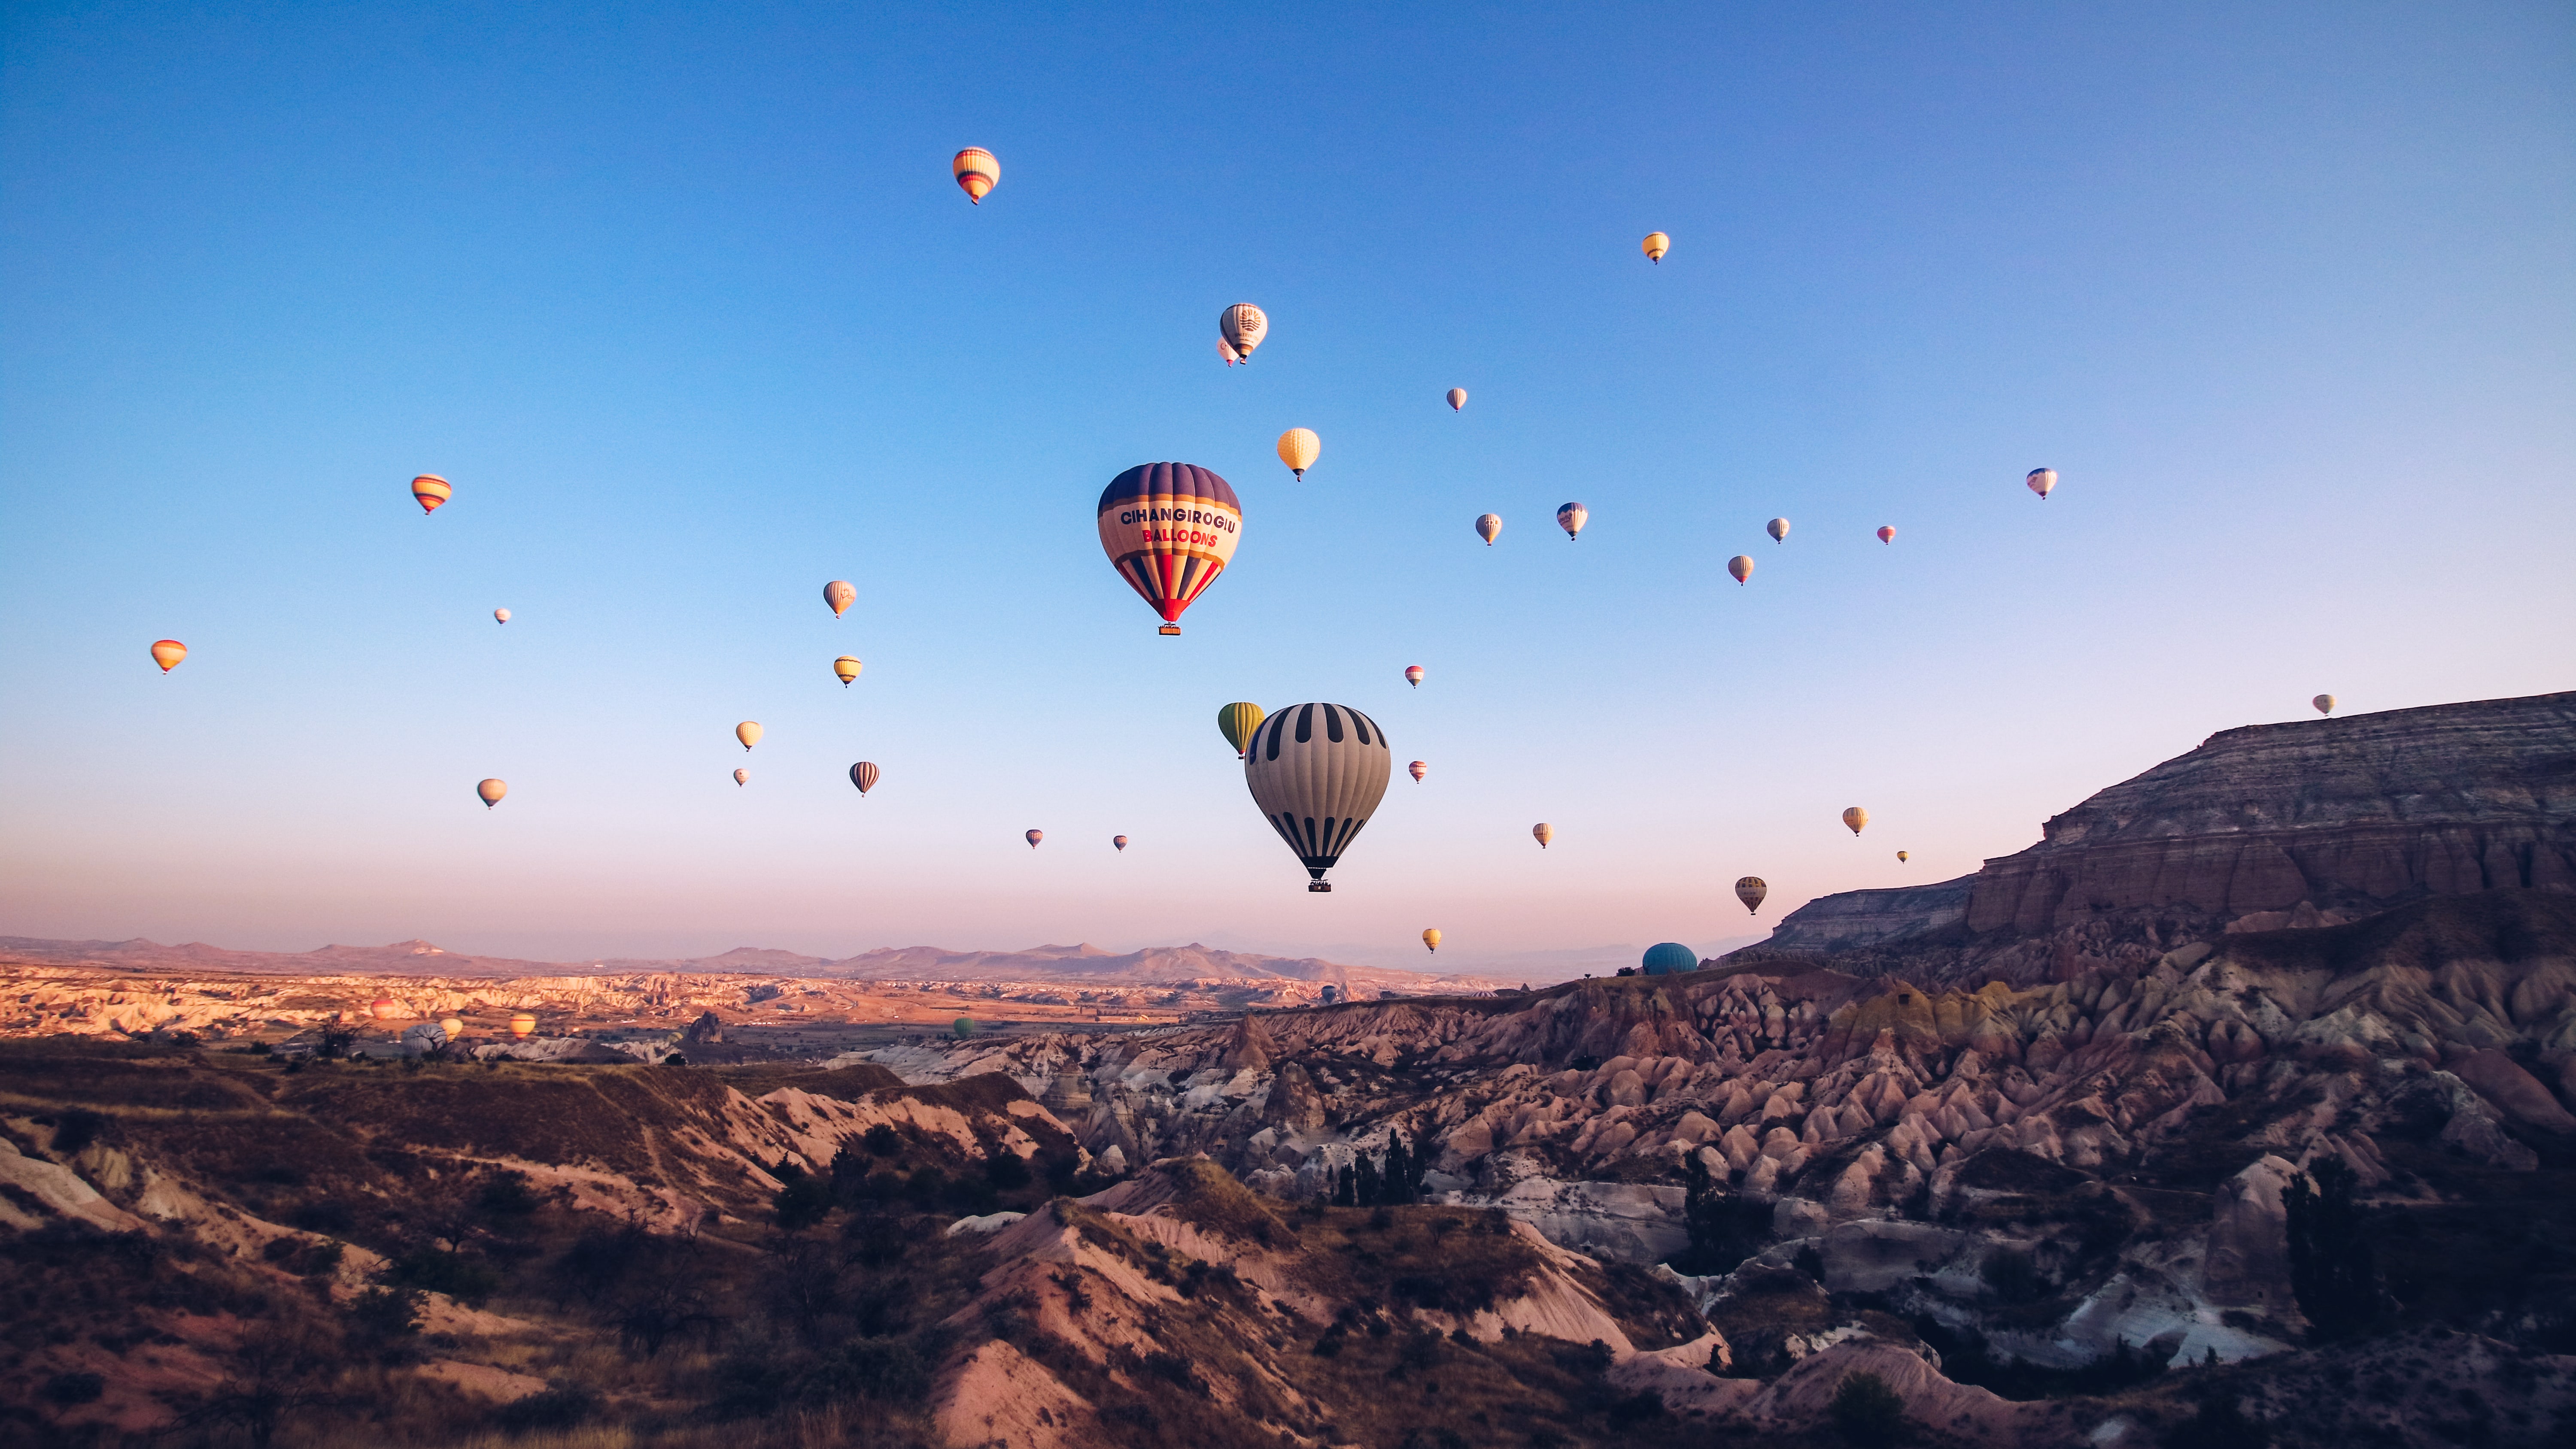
point(1318, 771)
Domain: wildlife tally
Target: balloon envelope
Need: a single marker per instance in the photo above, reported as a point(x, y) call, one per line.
point(1778, 528)
point(1656, 244)
point(1033, 837)
point(430, 490)
point(491, 791)
point(1571, 517)
point(1413, 675)
point(1169, 529)
point(1887, 533)
point(864, 775)
point(1741, 566)
point(1236, 722)
point(2042, 481)
point(1855, 817)
point(839, 595)
point(167, 653)
point(1242, 326)
point(501, 616)
point(977, 172)
point(2325, 703)
point(1902, 857)
point(742, 777)
point(1417, 770)
point(1488, 527)
point(1665, 958)
point(1431, 938)
point(523, 1024)
point(1318, 771)
point(1751, 890)
point(748, 732)
point(1542, 832)
point(1298, 448)
point(1119, 840)
point(1457, 398)
point(452, 1027)
point(847, 667)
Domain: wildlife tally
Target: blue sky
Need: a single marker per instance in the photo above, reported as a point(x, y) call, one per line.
point(684, 302)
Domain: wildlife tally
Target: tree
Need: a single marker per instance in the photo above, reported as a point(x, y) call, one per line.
point(1866, 1410)
point(803, 1199)
point(2331, 1268)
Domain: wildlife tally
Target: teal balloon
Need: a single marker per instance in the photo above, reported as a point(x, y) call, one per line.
point(1669, 957)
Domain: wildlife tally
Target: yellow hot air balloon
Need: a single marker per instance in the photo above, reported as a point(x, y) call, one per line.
point(1431, 938)
point(1751, 890)
point(2325, 703)
point(1237, 721)
point(976, 172)
point(748, 732)
point(1855, 817)
point(840, 596)
point(2042, 481)
point(1298, 448)
point(500, 616)
point(847, 666)
point(1242, 326)
point(1902, 857)
point(1033, 837)
point(1656, 244)
point(491, 792)
point(1778, 528)
point(1542, 832)
point(1741, 566)
point(167, 653)
point(1488, 527)
point(523, 1024)
point(1457, 398)
point(742, 777)
point(452, 1027)
point(431, 490)
point(1417, 770)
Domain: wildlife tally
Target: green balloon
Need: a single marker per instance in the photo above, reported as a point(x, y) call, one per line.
point(1237, 721)
point(964, 1028)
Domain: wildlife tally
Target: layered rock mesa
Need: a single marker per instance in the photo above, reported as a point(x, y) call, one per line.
point(2306, 823)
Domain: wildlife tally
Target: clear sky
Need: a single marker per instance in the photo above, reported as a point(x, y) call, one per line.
point(684, 302)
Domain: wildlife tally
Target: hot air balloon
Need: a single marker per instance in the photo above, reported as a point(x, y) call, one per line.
point(1741, 566)
point(500, 616)
point(1571, 518)
point(1855, 817)
point(1298, 448)
point(1902, 857)
point(977, 172)
point(1242, 326)
point(847, 667)
point(864, 775)
point(1778, 528)
point(167, 653)
point(1656, 244)
point(384, 1009)
point(1318, 771)
point(1751, 890)
point(491, 792)
point(2325, 703)
point(1542, 832)
point(1236, 722)
point(1417, 770)
point(748, 732)
point(2042, 481)
point(1226, 350)
point(453, 1027)
point(1413, 675)
point(431, 491)
point(1169, 529)
point(523, 1024)
point(1666, 958)
point(742, 777)
point(1457, 398)
point(1033, 837)
point(1887, 533)
point(1119, 840)
point(1488, 527)
point(1431, 938)
point(840, 596)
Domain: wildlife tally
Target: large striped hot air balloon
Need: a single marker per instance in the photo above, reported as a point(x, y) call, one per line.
point(167, 653)
point(977, 172)
point(1242, 326)
point(430, 490)
point(1236, 722)
point(1169, 529)
point(1298, 448)
point(1318, 771)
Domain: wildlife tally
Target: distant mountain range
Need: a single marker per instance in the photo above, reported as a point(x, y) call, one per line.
point(1080, 962)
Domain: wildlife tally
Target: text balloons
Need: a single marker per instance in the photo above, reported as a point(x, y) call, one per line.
point(1119, 840)
point(1571, 518)
point(1242, 326)
point(2042, 481)
point(1169, 529)
point(1033, 837)
point(748, 732)
point(1489, 526)
point(1778, 528)
point(1318, 771)
point(1741, 566)
point(864, 775)
point(839, 595)
point(977, 173)
point(1236, 722)
point(1431, 938)
point(491, 791)
point(1655, 245)
point(1413, 675)
point(500, 616)
point(1417, 770)
point(1298, 448)
point(1457, 398)
point(1542, 832)
point(1751, 890)
point(742, 777)
point(2325, 703)
point(430, 490)
point(1887, 533)
point(847, 667)
point(1855, 817)
point(167, 653)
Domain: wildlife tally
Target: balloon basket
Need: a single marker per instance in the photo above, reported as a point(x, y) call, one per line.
point(1172, 629)
point(1320, 887)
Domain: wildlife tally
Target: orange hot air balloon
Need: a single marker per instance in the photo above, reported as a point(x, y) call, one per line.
point(491, 792)
point(167, 653)
point(1751, 890)
point(847, 666)
point(840, 596)
point(1119, 840)
point(1417, 770)
point(385, 1009)
point(1413, 675)
point(1741, 566)
point(742, 777)
point(1887, 533)
point(432, 491)
point(748, 732)
point(1298, 448)
point(1655, 245)
point(523, 1024)
point(864, 775)
point(1855, 817)
point(977, 172)
point(1034, 837)
point(1431, 938)
point(1542, 832)
point(1457, 398)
